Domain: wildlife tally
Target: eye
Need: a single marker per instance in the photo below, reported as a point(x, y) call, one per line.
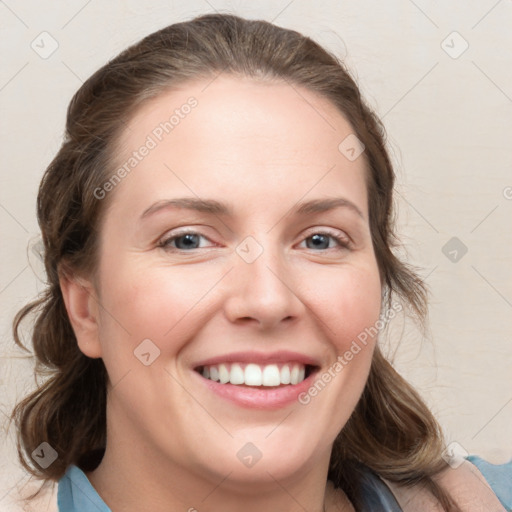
point(182, 241)
point(190, 240)
point(321, 240)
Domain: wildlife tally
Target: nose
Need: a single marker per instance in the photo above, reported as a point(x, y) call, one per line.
point(263, 291)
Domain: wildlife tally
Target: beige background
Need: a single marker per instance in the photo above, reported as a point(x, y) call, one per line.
point(449, 121)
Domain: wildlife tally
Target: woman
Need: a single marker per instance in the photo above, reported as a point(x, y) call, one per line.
point(244, 370)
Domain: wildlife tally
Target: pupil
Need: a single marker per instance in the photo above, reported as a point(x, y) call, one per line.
point(319, 240)
point(188, 239)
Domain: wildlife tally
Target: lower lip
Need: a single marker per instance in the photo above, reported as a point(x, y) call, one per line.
point(258, 398)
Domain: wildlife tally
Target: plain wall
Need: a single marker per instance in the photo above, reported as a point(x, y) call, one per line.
point(449, 124)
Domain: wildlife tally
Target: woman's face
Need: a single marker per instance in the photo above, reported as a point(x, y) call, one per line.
point(236, 244)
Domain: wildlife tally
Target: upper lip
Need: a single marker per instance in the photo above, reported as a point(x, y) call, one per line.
point(282, 356)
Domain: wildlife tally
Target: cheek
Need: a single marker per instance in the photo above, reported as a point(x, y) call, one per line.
point(359, 309)
point(348, 303)
point(155, 303)
point(349, 309)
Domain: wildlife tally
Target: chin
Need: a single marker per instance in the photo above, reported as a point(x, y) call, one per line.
point(266, 460)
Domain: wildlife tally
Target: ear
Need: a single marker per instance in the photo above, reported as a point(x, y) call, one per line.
point(82, 307)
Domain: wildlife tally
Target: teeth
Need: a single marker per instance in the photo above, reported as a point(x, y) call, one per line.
point(237, 374)
point(285, 374)
point(255, 375)
point(271, 375)
point(223, 374)
point(294, 375)
point(214, 373)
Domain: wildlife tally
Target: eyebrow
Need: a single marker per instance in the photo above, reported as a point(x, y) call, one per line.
point(217, 208)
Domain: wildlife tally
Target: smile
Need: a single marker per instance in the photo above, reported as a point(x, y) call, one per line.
point(252, 374)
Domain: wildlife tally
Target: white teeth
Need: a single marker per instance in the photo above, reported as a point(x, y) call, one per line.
point(285, 374)
point(214, 373)
point(255, 375)
point(271, 375)
point(294, 375)
point(223, 374)
point(237, 374)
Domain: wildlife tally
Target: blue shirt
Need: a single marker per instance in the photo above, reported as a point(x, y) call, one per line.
point(76, 494)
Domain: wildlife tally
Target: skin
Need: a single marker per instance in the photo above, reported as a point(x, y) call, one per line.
point(172, 444)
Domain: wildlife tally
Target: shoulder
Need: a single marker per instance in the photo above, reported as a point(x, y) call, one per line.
point(467, 485)
point(497, 476)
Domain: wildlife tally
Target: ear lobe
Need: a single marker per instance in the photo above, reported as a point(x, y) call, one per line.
point(81, 306)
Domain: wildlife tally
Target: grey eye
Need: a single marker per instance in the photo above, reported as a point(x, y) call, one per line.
point(318, 241)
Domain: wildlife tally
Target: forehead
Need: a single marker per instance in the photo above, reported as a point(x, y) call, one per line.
point(233, 136)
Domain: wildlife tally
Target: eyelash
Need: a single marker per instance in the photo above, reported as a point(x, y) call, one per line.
point(344, 243)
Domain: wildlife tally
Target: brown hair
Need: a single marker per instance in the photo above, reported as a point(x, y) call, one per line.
point(391, 430)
